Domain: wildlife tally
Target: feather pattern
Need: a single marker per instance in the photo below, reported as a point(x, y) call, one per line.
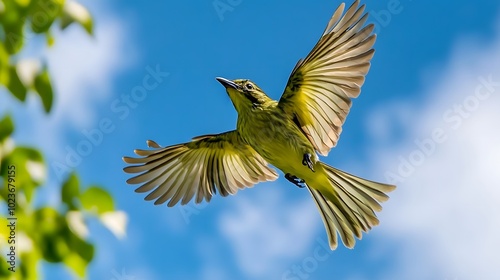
point(321, 86)
point(209, 164)
point(350, 208)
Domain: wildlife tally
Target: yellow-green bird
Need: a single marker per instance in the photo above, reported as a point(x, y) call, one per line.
point(287, 133)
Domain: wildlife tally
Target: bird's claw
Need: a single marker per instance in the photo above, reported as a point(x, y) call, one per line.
point(295, 180)
point(307, 161)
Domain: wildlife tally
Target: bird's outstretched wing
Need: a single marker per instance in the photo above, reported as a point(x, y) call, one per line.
point(209, 164)
point(319, 91)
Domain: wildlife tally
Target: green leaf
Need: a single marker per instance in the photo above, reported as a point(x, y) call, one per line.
point(54, 247)
point(43, 86)
point(70, 190)
point(23, 3)
point(81, 254)
point(6, 127)
point(27, 161)
point(97, 199)
point(74, 12)
point(28, 266)
point(84, 249)
point(12, 21)
point(51, 235)
point(43, 13)
point(14, 37)
point(30, 153)
point(4, 272)
point(15, 86)
point(4, 65)
point(48, 220)
point(76, 263)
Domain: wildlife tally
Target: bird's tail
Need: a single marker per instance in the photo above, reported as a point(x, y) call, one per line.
point(348, 205)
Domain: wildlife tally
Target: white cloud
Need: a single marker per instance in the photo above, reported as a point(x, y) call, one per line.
point(84, 68)
point(267, 231)
point(443, 216)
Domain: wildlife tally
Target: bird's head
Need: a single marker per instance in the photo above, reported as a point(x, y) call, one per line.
point(244, 94)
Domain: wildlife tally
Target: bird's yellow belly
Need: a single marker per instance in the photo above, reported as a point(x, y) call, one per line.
point(280, 142)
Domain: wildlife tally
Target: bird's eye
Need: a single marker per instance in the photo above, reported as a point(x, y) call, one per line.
point(249, 86)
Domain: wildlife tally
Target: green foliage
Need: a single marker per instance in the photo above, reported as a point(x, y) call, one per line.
point(14, 84)
point(44, 89)
point(31, 160)
point(50, 233)
point(20, 21)
point(6, 128)
point(70, 190)
point(43, 13)
point(97, 199)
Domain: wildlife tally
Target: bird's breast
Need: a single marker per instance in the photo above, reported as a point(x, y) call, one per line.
point(276, 138)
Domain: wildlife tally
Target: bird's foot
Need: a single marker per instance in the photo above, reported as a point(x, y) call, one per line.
point(295, 180)
point(307, 161)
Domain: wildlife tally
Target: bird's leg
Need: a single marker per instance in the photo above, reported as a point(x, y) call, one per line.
point(296, 181)
point(307, 161)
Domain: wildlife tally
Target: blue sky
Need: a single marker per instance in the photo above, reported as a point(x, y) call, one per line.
point(430, 59)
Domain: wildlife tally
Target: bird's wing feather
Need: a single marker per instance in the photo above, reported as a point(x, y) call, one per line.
point(319, 91)
point(209, 164)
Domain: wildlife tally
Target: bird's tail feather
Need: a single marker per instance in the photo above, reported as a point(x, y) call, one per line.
point(348, 205)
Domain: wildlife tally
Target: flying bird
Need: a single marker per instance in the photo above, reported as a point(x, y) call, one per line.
point(288, 134)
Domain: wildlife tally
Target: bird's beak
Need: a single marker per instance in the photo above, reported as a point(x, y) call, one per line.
point(227, 83)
